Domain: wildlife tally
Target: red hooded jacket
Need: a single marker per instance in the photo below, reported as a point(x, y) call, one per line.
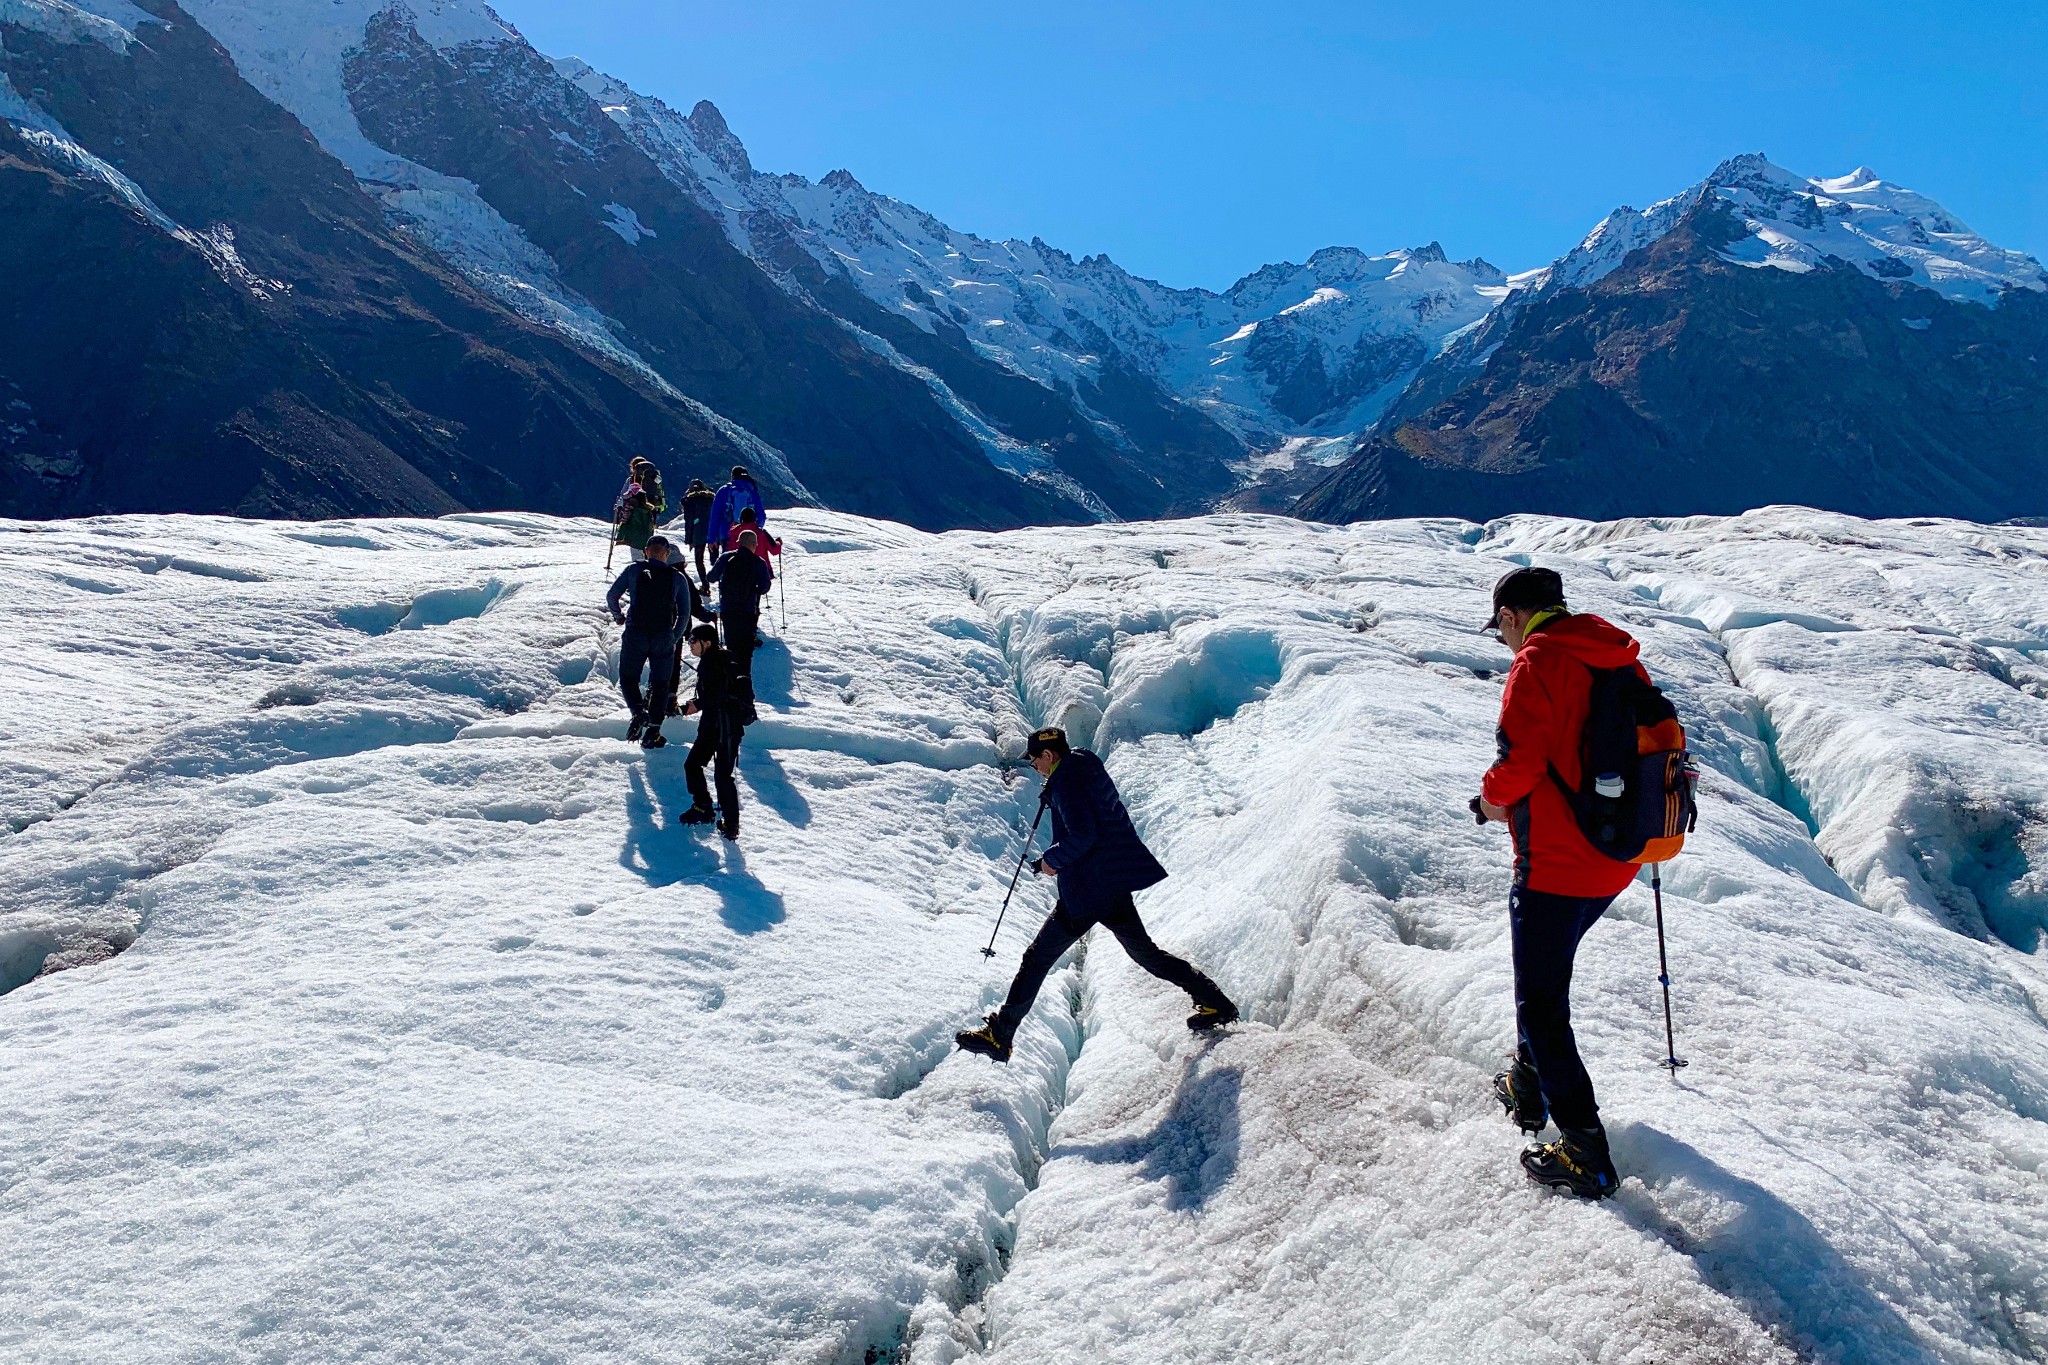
point(1541, 716)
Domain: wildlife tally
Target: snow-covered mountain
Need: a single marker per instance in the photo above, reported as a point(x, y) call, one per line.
point(853, 348)
point(1794, 223)
point(364, 1000)
point(1288, 351)
point(1761, 337)
point(448, 271)
point(383, 240)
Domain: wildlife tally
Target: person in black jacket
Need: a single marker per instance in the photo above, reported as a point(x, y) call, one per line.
point(724, 707)
point(662, 599)
point(1100, 861)
point(697, 522)
point(743, 578)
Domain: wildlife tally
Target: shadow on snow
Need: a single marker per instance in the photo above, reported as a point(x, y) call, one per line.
point(661, 853)
point(1193, 1149)
point(1762, 1252)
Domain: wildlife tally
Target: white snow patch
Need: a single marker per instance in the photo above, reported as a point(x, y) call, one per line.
point(626, 223)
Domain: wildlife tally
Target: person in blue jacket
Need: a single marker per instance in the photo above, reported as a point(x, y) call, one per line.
point(1100, 861)
point(727, 502)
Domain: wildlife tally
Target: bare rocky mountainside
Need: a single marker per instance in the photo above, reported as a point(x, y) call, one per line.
point(382, 256)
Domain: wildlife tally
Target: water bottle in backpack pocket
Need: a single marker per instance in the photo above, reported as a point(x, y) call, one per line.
point(1634, 802)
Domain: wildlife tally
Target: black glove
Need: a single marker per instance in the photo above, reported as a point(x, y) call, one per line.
point(1038, 866)
point(1477, 814)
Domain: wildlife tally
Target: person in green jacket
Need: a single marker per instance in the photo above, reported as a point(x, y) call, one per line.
point(649, 479)
point(635, 524)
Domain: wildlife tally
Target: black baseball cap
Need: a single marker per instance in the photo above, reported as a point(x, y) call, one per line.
point(1525, 589)
point(1051, 739)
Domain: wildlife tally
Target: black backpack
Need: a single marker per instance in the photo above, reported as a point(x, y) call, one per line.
point(1635, 799)
point(654, 599)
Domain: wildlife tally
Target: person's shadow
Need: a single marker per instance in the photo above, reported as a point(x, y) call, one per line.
point(661, 852)
point(746, 906)
point(772, 788)
point(1193, 1149)
point(775, 673)
point(657, 850)
point(1765, 1254)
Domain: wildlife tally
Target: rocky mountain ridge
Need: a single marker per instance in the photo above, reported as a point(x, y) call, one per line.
point(1760, 338)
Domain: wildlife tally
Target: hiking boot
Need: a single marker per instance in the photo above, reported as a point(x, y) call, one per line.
point(1207, 1017)
point(730, 827)
point(697, 815)
point(653, 739)
point(1518, 1093)
point(1574, 1164)
point(988, 1040)
point(634, 728)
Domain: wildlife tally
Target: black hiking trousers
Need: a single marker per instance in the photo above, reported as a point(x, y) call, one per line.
point(1546, 930)
point(656, 655)
point(741, 630)
point(1063, 929)
point(718, 744)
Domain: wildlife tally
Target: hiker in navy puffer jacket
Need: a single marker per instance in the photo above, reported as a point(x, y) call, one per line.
point(1100, 861)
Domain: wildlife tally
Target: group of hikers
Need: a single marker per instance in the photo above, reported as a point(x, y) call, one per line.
point(1592, 781)
point(665, 614)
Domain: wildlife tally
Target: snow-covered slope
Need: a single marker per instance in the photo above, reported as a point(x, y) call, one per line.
point(1289, 350)
point(437, 1037)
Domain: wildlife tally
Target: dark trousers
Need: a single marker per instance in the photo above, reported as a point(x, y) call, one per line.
point(675, 683)
point(718, 744)
point(740, 629)
point(656, 655)
point(1063, 929)
point(1546, 930)
point(697, 547)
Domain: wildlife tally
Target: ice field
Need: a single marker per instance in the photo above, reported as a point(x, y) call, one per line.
point(364, 1001)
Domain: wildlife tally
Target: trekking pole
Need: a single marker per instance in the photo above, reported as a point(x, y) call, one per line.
point(990, 951)
point(1672, 1061)
point(612, 548)
point(782, 589)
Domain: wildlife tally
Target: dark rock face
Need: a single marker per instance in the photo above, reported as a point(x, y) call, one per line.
point(1305, 391)
point(861, 434)
point(1683, 383)
point(291, 354)
point(1186, 466)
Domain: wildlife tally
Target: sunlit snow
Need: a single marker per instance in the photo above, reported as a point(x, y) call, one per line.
point(435, 1036)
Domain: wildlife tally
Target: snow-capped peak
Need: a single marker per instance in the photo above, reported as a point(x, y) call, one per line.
point(1798, 224)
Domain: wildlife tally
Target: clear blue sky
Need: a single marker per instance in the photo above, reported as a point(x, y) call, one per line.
point(1194, 141)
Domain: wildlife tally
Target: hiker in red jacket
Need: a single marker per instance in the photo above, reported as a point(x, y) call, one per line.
point(1562, 883)
point(749, 522)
